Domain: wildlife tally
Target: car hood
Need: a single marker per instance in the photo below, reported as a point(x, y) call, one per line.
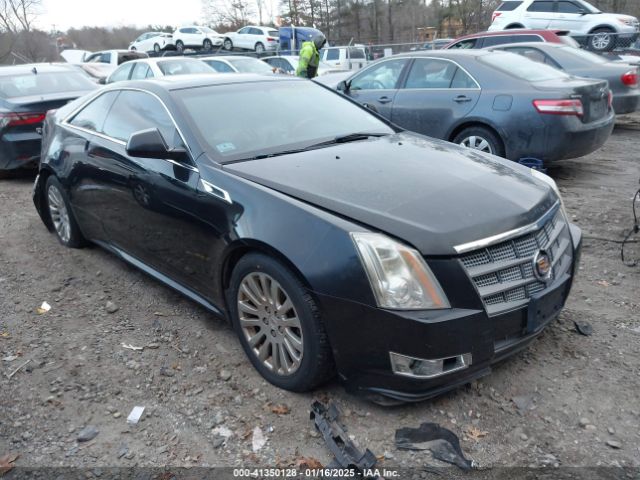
point(428, 193)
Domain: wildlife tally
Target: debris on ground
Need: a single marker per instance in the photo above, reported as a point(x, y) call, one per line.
point(258, 440)
point(308, 463)
point(441, 442)
point(583, 328)
point(7, 462)
point(222, 431)
point(523, 402)
point(475, 433)
point(134, 416)
point(44, 308)
point(128, 346)
point(111, 307)
point(280, 409)
point(346, 453)
point(614, 444)
point(17, 369)
point(87, 434)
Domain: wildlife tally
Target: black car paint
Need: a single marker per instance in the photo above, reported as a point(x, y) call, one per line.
point(190, 239)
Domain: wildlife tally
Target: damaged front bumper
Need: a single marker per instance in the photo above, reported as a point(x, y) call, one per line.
point(448, 348)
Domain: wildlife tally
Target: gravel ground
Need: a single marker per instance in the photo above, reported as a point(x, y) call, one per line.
point(568, 400)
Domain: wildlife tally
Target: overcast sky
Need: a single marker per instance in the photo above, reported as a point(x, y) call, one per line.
point(65, 14)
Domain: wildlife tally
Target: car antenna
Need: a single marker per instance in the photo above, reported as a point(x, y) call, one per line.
point(34, 70)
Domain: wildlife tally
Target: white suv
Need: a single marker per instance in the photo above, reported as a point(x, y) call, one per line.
point(253, 37)
point(600, 31)
point(195, 36)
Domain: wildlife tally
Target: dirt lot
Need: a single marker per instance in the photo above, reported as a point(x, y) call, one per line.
point(569, 400)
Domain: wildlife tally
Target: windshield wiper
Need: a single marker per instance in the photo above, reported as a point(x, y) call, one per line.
point(351, 137)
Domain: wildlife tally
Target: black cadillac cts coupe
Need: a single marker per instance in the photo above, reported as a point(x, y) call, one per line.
point(333, 241)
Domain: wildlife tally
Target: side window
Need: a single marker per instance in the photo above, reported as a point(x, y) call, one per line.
point(541, 6)
point(221, 67)
point(431, 73)
point(92, 116)
point(535, 55)
point(140, 71)
point(526, 38)
point(466, 44)
point(149, 74)
point(565, 6)
point(135, 111)
point(496, 40)
point(462, 80)
point(333, 54)
point(382, 76)
point(184, 30)
point(255, 31)
point(244, 30)
point(122, 73)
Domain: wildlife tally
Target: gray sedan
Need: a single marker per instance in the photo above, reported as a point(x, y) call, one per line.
point(622, 78)
point(497, 102)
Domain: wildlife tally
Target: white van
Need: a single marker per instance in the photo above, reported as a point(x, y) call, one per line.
point(344, 58)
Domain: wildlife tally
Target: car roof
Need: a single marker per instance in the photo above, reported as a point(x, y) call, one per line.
point(514, 31)
point(225, 57)
point(180, 82)
point(453, 53)
point(532, 44)
point(157, 60)
point(40, 68)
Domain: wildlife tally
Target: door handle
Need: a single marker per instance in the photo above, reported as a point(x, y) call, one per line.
point(384, 99)
point(462, 99)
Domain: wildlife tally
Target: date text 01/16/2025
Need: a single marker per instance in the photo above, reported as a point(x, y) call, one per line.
point(315, 473)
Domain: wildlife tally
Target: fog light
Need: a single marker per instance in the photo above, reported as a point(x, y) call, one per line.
point(424, 368)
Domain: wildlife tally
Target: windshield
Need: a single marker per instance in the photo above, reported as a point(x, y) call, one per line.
point(588, 7)
point(183, 67)
point(250, 65)
point(587, 57)
point(270, 117)
point(521, 67)
point(43, 84)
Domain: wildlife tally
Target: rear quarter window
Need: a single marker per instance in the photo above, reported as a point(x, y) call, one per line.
point(508, 6)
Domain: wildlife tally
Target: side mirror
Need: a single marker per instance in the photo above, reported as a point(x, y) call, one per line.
point(582, 11)
point(343, 86)
point(151, 144)
point(102, 81)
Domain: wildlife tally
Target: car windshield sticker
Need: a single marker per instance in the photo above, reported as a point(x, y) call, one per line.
point(225, 147)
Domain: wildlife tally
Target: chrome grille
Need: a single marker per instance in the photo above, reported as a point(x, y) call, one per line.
point(503, 273)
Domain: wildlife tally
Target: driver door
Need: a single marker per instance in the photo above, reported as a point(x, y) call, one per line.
point(570, 16)
point(376, 87)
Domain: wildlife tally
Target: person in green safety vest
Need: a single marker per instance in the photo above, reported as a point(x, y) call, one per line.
point(309, 56)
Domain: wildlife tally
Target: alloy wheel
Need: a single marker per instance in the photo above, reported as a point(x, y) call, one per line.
point(601, 41)
point(270, 323)
point(477, 143)
point(259, 48)
point(59, 214)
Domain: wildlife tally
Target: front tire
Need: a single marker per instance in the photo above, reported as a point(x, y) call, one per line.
point(179, 46)
point(602, 40)
point(227, 44)
point(59, 210)
point(279, 324)
point(480, 138)
point(207, 45)
point(156, 48)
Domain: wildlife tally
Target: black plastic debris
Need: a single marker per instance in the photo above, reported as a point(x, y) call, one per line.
point(443, 443)
point(346, 453)
point(583, 328)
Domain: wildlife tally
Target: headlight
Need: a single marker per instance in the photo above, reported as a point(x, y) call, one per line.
point(626, 21)
point(399, 277)
point(552, 183)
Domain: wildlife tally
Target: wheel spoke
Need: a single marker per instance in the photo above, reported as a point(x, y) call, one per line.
point(284, 307)
point(256, 338)
point(296, 342)
point(264, 350)
point(275, 357)
point(246, 308)
point(295, 355)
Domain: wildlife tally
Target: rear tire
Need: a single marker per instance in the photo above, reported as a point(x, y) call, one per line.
point(61, 216)
point(259, 48)
point(269, 307)
point(156, 48)
point(480, 138)
point(227, 44)
point(601, 40)
point(207, 45)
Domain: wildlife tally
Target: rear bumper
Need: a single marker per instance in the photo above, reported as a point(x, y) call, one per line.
point(626, 103)
point(565, 137)
point(362, 337)
point(19, 153)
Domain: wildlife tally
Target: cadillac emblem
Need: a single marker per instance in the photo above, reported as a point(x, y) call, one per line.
point(542, 266)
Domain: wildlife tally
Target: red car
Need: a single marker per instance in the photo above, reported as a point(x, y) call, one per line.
point(491, 39)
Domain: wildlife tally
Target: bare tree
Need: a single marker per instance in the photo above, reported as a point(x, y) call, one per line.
point(18, 15)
